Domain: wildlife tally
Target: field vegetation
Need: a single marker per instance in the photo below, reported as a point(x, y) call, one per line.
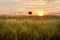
point(30, 28)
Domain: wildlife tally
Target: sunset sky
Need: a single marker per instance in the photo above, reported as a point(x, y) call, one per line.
point(12, 6)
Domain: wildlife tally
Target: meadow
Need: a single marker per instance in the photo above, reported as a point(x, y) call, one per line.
point(30, 28)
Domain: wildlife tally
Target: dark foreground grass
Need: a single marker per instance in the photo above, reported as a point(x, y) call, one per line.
point(30, 28)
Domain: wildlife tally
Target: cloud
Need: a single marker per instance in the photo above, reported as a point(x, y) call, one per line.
point(13, 5)
point(47, 1)
point(10, 0)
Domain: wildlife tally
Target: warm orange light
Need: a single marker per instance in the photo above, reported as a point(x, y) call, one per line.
point(41, 13)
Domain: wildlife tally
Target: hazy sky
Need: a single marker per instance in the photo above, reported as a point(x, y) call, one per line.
point(10, 6)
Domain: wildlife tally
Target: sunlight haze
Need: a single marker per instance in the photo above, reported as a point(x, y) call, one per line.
point(14, 6)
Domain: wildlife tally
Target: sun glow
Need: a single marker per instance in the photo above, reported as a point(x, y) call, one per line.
point(41, 13)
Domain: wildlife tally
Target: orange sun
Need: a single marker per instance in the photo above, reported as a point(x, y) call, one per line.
point(41, 13)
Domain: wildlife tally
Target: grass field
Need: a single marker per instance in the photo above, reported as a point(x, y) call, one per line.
point(30, 28)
